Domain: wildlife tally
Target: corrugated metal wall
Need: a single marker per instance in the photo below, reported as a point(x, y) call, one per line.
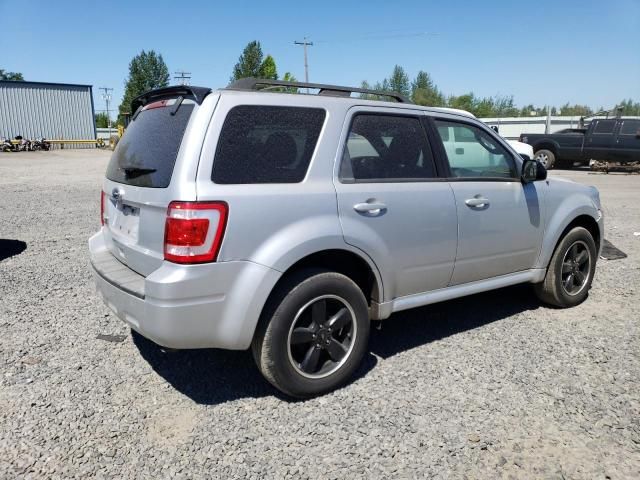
point(50, 110)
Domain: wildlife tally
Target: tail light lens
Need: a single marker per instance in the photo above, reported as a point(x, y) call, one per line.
point(194, 230)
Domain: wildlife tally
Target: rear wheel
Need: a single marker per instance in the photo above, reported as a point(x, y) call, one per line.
point(546, 157)
point(570, 271)
point(313, 333)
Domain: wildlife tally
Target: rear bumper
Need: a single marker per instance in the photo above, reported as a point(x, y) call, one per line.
point(214, 305)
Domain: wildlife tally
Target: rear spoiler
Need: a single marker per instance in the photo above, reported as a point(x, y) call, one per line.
point(197, 94)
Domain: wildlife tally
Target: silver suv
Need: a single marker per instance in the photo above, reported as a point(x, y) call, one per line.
point(253, 217)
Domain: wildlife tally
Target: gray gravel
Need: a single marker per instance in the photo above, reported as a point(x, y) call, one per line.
point(494, 385)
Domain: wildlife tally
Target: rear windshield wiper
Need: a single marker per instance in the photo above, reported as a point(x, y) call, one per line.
point(132, 172)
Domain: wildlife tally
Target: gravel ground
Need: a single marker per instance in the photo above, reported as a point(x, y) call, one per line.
point(492, 386)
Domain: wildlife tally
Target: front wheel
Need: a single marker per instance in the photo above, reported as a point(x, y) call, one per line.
point(546, 157)
point(313, 333)
point(570, 271)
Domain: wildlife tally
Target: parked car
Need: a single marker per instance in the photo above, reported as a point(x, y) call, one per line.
point(523, 149)
point(246, 218)
point(609, 140)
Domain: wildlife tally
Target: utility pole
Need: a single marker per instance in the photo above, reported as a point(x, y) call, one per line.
point(305, 44)
point(182, 77)
point(106, 96)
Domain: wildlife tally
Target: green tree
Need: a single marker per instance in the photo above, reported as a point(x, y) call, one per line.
point(425, 92)
point(574, 110)
point(250, 62)
point(629, 107)
point(102, 120)
point(268, 68)
point(11, 76)
point(463, 102)
point(146, 72)
point(398, 82)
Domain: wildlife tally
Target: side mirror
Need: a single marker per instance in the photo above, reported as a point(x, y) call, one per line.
point(532, 171)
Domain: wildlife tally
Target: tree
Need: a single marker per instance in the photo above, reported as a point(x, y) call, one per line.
point(463, 102)
point(11, 76)
point(250, 62)
point(102, 121)
point(146, 72)
point(425, 92)
point(398, 82)
point(268, 68)
point(575, 110)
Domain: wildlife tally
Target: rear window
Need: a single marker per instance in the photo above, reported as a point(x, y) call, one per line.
point(146, 154)
point(264, 144)
point(605, 126)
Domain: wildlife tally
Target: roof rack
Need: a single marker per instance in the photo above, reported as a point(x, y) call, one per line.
point(332, 90)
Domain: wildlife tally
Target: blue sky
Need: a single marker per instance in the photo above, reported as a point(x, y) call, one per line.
point(541, 52)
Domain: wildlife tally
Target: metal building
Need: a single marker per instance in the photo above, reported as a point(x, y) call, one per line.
point(50, 110)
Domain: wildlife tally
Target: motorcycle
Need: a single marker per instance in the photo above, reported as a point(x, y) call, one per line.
point(40, 144)
point(24, 144)
point(6, 145)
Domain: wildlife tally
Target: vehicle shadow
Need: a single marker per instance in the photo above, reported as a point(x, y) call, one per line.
point(212, 376)
point(10, 248)
point(412, 328)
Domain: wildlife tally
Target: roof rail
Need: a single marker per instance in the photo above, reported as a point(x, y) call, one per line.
point(251, 83)
point(196, 93)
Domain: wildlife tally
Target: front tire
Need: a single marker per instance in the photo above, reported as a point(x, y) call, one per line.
point(546, 157)
point(312, 334)
point(570, 271)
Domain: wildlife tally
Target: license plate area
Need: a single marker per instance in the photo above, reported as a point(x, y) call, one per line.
point(125, 221)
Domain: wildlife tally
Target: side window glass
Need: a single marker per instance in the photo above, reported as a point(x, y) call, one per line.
point(472, 152)
point(630, 127)
point(386, 148)
point(605, 126)
point(263, 144)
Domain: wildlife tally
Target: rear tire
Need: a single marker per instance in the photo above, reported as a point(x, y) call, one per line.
point(546, 157)
point(312, 334)
point(570, 271)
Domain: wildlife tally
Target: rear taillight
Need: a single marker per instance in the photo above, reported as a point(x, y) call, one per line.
point(194, 230)
point(102, 200)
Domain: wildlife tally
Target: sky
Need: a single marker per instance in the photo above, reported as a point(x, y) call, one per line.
point(546, 52)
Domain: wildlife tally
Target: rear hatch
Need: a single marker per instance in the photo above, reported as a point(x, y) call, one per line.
point(154, 163)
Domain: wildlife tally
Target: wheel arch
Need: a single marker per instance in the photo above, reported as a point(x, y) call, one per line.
point(581, 219)
point(546, 145)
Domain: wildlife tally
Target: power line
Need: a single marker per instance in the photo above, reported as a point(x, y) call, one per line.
point(182, 77)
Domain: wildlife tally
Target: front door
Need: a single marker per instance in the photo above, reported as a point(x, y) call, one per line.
point(599, 143)
point(391, 203)
point(499, 219)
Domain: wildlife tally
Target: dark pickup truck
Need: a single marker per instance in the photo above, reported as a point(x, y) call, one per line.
point(608, 140)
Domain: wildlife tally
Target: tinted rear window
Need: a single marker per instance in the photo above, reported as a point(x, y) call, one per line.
point(605, 126)
point(146, 154)
point(264, 144)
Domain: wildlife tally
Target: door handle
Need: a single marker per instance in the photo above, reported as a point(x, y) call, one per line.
point(477, 201)
point(372, 208)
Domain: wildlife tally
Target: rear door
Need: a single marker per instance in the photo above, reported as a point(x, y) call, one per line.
point(154, 163)
point(391, 203)
point(627, 143)
point(599, 143)
point(499, 219)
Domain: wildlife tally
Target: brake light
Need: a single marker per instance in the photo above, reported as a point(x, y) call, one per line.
point(194, 230)
point(102, 200)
